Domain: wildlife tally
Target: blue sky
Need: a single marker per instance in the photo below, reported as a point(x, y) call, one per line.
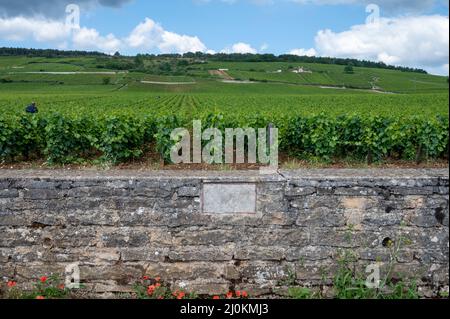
point(304, 27)
point(219, 24)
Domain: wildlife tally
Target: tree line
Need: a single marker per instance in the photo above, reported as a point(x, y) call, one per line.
point(46, 53)
point(235, 57)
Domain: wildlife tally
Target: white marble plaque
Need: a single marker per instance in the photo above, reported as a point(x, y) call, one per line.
point(229, 198)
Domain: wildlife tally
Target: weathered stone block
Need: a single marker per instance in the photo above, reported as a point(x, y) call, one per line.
point(201, 253)
point(260, 253)
point(324, 217)
point(262, 272)
point(295, 191)
point(185, 271)
point(203, 287)
point(124, 237)
point(188, 191)
point(295, 237)
point(13, 237)
point(309, 253)
point(9, 193)
point(194, 237)
point(144, 254)
point(37, 193)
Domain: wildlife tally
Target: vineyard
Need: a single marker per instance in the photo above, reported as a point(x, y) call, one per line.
point(118, 127)
point(113, 110)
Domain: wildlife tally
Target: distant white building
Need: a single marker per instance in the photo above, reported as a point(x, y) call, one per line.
point(224, 70)
point(301, 70)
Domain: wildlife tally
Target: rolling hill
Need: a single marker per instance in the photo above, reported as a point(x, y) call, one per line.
point(127, 71)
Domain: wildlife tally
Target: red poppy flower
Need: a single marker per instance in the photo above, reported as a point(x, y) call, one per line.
point(230, 295)
point(43, 279)
point(238, 293)
point(216, 298)
point(40, 297)
point(158, 279)
point(244, 294)
point(151, 289)
point(145, 278)
point(12, 284)
point(181, 295)
point(61, 287)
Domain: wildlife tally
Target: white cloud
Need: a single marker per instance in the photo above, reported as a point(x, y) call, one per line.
point(241, 48)
point(90, 39)
point(303, 52)
point(56, 32)
point(420, 41)
point(149, 35)
point(173, 42)
point(146, 35)
point(40, 29)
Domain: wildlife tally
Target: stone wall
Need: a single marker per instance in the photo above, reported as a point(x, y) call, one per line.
point(121, 225)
